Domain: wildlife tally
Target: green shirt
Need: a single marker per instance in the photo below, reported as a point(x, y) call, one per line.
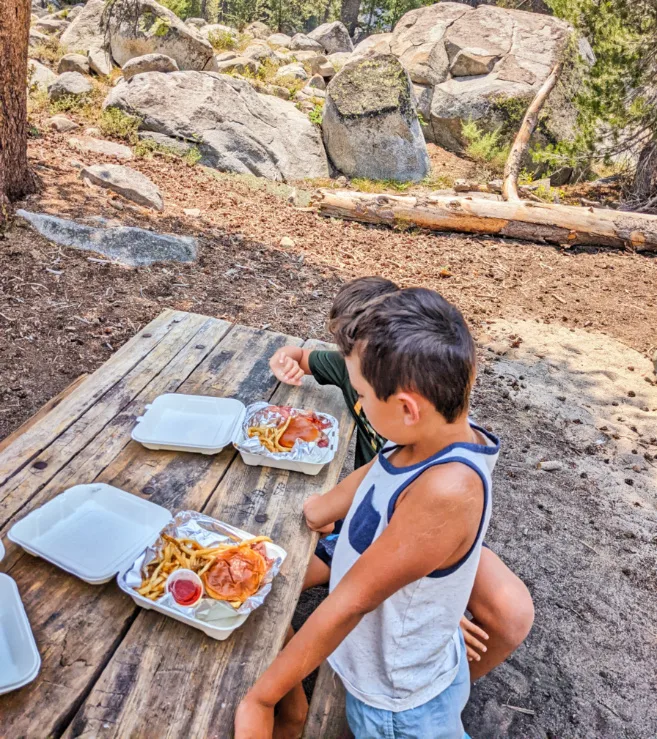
point(329, 368)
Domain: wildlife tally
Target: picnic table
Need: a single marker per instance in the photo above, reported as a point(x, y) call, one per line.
point(110, 668)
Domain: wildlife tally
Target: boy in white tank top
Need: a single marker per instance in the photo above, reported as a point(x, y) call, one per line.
point(415, 518)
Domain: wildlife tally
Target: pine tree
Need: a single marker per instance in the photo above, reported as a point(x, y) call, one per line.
point(16, 180)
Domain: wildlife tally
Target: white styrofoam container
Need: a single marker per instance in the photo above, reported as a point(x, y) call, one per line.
point(96, 532)
point(218, 630)
point(189, 423)
point(20, 661)
point(306, 468)
point(205, 425)
point(91, 531)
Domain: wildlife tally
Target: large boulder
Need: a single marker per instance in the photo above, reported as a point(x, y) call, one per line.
point(468, 63)
point(333, 37)
point(418, 41)
point(301, 42)
point(370, 122)
point(86, 32)
point(260, 52)
point(279, 39)
point(51, 26)
point(378, 43)
point(148, 63)
point(291, 71)
point(37, 38)
point(38, 75)
point(69, 84)
point(141, 27)
point(73, 63)
point(100, 61)
point(235, 128)
point(258, 30)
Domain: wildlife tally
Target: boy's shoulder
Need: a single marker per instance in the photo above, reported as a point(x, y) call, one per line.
point(447, 487)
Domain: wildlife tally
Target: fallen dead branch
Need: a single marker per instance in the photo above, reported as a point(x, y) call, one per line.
point(558, 224)
point(521, 143)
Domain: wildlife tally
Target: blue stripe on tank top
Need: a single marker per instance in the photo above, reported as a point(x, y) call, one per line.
point(395, 497)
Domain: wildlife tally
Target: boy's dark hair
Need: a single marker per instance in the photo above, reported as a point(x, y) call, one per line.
point(355, 297)
point(414, 340)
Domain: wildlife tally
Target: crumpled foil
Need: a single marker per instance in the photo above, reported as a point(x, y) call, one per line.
point(302, 451)
point(208, 532)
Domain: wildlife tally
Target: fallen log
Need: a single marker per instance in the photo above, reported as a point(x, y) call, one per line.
point(557, 224)
point(521, 143)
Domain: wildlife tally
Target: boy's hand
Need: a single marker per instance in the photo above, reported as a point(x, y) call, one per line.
point(285, 367)
point(472, 635)
point(254, 720)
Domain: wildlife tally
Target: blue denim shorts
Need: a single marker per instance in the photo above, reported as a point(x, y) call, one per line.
point(440, 718)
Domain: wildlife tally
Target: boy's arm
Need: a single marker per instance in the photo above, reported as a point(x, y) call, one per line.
point(290, 363)
point(434, 525)
point(322, 510)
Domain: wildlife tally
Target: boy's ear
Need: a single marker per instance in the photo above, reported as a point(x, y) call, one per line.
point(410, 408)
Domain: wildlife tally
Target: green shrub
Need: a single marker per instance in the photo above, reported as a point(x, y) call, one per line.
point(222, 41)
point(68, 103)
point(375, 186)
point(316, 115)
point(192, 156)
point(115, 123)
point(48, 52)
point(485, 146)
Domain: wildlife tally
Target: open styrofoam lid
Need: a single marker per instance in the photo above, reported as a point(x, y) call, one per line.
point(91, 530)
point(197, 421)
point(19, 657)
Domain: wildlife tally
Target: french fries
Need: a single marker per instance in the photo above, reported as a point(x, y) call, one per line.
point(176, 554)
point(270, 435)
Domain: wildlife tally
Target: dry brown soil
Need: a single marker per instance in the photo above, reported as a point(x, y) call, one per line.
point(584, 545)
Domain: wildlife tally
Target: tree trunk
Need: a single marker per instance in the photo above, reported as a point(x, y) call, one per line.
point(521, 143)
point(643, 193)
point(15, 177)
point(559, 224)
point(349, 14)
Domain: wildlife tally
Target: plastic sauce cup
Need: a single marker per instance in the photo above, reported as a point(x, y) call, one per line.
point(186, 587)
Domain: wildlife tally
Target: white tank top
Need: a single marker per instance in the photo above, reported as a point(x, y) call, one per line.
point(406, 651)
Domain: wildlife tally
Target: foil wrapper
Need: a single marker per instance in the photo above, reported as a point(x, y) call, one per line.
point(302, 451)
point(208, 532)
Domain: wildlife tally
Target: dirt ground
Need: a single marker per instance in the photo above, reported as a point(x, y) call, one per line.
point(559, 330)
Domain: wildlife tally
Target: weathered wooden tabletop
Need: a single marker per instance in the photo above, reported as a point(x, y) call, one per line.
point(108, 667)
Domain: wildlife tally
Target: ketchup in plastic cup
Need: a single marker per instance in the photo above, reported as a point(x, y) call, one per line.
point(186, 587)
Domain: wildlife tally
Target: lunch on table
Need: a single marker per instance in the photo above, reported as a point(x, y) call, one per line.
point(228, 572)
point(279, 427)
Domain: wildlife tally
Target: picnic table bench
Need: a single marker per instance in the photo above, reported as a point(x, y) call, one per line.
point(110, 668)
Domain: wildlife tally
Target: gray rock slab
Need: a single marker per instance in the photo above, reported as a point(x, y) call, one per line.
point(125, 181)
point(134, 247)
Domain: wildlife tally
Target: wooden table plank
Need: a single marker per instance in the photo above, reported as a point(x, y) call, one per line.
point(44, 463)
point(168, 680)
point(125, 359)
point(327, 718)
point(42, 412)
point(88, 464)
point(78, 626)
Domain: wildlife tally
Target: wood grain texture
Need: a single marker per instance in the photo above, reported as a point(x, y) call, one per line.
point(326, 717)
point(168, 680)
point(42, 412)
point(78, 626)
point(50, 446)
